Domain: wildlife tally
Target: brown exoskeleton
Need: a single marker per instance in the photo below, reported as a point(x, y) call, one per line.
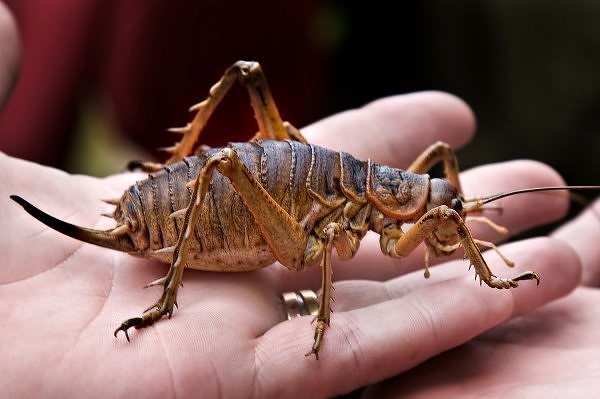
point(278, 198)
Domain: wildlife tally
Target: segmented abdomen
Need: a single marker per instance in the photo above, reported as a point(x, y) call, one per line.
point(226, 233)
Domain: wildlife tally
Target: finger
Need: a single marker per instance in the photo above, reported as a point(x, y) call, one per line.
point(520, 213)
point(10, 53)
point(378, 341)
point(583, 234)
point(524, 351)
point(530, 254)
point(395, 130)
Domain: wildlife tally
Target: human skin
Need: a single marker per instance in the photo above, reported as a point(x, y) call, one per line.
point(552, 352)
point(9, 53)
point(62, 299)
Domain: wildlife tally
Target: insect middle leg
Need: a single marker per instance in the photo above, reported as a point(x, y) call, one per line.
point(396, 243)
point(346, 244)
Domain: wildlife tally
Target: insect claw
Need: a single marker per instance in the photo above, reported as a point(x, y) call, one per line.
point(528, 276)
point(127, 324)
point(312, 352)
point(176, 305)
point(119, 230)
point(110, 215)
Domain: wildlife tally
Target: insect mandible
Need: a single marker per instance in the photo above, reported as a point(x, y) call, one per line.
point(278, 198)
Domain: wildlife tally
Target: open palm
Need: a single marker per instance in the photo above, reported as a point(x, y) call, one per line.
point(61, 299)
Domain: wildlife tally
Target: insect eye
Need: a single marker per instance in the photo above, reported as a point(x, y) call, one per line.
point(456, 204)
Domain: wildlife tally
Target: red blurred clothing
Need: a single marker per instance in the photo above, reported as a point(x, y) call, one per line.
point(147, 64)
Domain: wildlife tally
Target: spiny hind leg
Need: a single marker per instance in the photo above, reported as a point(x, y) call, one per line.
point(400, 245)
point(285, 237)
point(251, 76)
point(172, 281)
point(435, 153)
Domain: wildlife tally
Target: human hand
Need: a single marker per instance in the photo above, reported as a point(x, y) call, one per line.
point(9, 53)
point(63, 299)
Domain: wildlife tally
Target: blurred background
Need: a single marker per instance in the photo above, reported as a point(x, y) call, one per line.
point(101, 80)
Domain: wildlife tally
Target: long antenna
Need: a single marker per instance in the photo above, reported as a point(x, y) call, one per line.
point(495, 197)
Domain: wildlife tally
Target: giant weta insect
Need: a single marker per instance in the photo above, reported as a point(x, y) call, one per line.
point(278, 198)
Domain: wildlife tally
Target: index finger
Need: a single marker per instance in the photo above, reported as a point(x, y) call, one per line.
point(394, 130)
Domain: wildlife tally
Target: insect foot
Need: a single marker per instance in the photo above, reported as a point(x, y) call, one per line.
point(319, 331)
point(164, 306)
point(502, 283)
point(127, 324)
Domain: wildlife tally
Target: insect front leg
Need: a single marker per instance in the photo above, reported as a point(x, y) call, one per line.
point(445, 218)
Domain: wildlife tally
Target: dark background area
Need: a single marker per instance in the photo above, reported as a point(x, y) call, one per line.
point(530, 71)
point(101, 80)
